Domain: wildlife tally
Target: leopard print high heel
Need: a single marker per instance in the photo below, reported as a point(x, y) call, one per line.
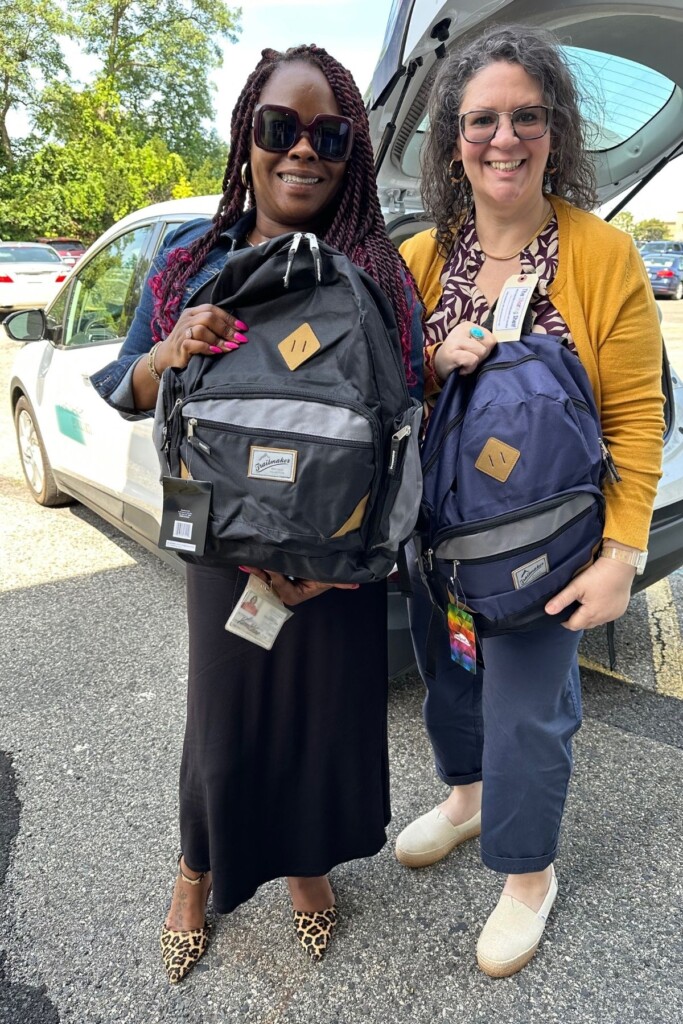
point(181, 950)
point(314, 931)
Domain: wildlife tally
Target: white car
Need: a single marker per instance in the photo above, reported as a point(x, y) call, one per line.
point(73, 445)
point(30, 275)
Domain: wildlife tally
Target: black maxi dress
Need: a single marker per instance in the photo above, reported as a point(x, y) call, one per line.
point(285, 765)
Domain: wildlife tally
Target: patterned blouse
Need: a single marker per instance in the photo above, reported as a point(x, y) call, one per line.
point(462, 300)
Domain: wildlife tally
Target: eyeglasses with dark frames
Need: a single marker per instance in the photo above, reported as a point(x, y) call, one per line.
point(277, 129)
point(527, 123)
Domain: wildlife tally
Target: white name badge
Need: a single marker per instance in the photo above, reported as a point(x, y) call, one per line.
point(259, 615)
point(512, 306)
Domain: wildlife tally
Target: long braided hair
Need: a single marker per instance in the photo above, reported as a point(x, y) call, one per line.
point(356, 226)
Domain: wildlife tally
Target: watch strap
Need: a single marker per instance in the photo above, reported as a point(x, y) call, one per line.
point(637, 559)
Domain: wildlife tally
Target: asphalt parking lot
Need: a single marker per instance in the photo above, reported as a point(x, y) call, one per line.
point(92, 670)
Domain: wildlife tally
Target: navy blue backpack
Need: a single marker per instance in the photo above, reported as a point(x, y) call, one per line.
point(513, 466)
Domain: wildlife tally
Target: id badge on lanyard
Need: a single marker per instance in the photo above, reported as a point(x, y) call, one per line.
point(512, 305)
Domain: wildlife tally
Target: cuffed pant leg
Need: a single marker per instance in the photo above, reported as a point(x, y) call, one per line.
point(531, 710)
point(452, 707)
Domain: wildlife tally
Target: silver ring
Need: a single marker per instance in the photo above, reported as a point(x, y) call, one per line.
point(188, 333)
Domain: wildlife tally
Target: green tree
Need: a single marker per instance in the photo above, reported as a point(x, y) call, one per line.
point(29, 52)
point(651, 230)
point(156, 55)
point(625, 221)
point(90, 178)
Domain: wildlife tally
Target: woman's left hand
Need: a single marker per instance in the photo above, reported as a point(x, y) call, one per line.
point(603, 590)
point(293, 592)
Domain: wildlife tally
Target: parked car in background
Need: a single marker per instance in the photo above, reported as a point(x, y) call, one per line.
point(648, 248)
point(70, 249)
point(30, 275)
point(666, 274)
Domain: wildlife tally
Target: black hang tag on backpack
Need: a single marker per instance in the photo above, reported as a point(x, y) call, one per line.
point(185, 516)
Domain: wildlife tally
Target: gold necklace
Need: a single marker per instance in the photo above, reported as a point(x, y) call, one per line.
point(503, 259)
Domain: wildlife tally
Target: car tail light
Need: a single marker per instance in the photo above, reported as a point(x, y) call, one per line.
point(665, 273)
point(59, 278)
point(6, 279)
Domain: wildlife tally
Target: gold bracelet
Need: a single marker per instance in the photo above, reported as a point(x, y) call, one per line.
point(150, 365)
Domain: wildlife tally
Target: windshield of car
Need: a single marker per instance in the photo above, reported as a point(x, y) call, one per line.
point(27, 254)
point(659, 261)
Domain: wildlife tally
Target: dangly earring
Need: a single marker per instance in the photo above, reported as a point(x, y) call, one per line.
point(245, 174)
point(452, 168)
point(550, 170)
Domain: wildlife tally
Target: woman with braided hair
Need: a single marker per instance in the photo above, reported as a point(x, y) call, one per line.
point(284, 769)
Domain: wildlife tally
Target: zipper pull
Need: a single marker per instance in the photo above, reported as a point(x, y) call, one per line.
point(296, 242)
point(317, 258)
point(611, 469)
point(166, 428)
point(428, 559)
point(197, 441)
point(396, 439)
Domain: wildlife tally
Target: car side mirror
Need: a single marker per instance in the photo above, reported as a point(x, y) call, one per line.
point(26, 325)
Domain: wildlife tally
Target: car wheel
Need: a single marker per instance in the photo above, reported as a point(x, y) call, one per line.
point(678, 294)
point(34, 460)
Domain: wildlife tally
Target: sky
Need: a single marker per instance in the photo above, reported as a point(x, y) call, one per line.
point(353, 31)
point(350, 30)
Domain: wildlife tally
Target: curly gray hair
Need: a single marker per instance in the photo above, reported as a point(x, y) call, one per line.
point(538, 52)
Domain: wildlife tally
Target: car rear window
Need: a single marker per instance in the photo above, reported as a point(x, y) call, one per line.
point(27, 254)
point(659, 262)
point(604, 82)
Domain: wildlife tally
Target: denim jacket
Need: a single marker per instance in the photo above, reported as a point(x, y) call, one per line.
point(114, 382)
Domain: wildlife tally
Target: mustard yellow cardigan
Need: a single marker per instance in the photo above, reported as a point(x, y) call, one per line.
point(603, 293)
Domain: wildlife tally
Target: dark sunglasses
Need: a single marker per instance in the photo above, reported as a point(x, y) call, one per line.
point(278, 129)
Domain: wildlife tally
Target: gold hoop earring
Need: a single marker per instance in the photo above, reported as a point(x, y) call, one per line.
point(455, 181)
point(245, 175)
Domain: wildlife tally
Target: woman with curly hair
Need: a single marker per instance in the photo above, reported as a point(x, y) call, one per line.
point(284, 768)
point(509, 183)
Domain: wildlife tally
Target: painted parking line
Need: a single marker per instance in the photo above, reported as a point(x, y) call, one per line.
point(665, 636)
point(603, 670)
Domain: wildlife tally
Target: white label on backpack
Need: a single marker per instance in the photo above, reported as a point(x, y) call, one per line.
point(530, 572)
point(512, 306)
point(272, 464)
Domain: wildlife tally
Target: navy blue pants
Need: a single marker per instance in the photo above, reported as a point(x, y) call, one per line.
point(510, 726)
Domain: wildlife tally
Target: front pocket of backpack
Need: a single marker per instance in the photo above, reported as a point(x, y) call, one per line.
point(506, 583)
point(305, 484)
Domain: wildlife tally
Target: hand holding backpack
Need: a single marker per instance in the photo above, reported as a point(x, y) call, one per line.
point(308, 434)
point(513, 466)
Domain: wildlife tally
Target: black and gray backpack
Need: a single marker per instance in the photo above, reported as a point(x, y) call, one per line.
point(307, 434)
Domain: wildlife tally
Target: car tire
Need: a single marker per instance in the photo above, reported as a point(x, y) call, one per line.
point(678, 294)
point(34, 460)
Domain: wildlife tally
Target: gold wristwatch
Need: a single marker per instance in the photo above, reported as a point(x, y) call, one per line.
point(637, 559)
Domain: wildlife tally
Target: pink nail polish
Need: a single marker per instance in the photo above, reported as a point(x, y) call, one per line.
point(214, 348)
point(239, 337)
point(231, 346)
point(241, 326)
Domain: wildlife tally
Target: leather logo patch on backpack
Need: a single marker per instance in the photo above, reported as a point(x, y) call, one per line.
point(299, 346)
point(497, 459)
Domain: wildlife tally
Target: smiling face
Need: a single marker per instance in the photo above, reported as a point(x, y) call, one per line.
point(294, 189)
point(506, 172)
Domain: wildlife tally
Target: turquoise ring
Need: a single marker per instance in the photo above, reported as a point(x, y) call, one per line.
point(476, 332)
